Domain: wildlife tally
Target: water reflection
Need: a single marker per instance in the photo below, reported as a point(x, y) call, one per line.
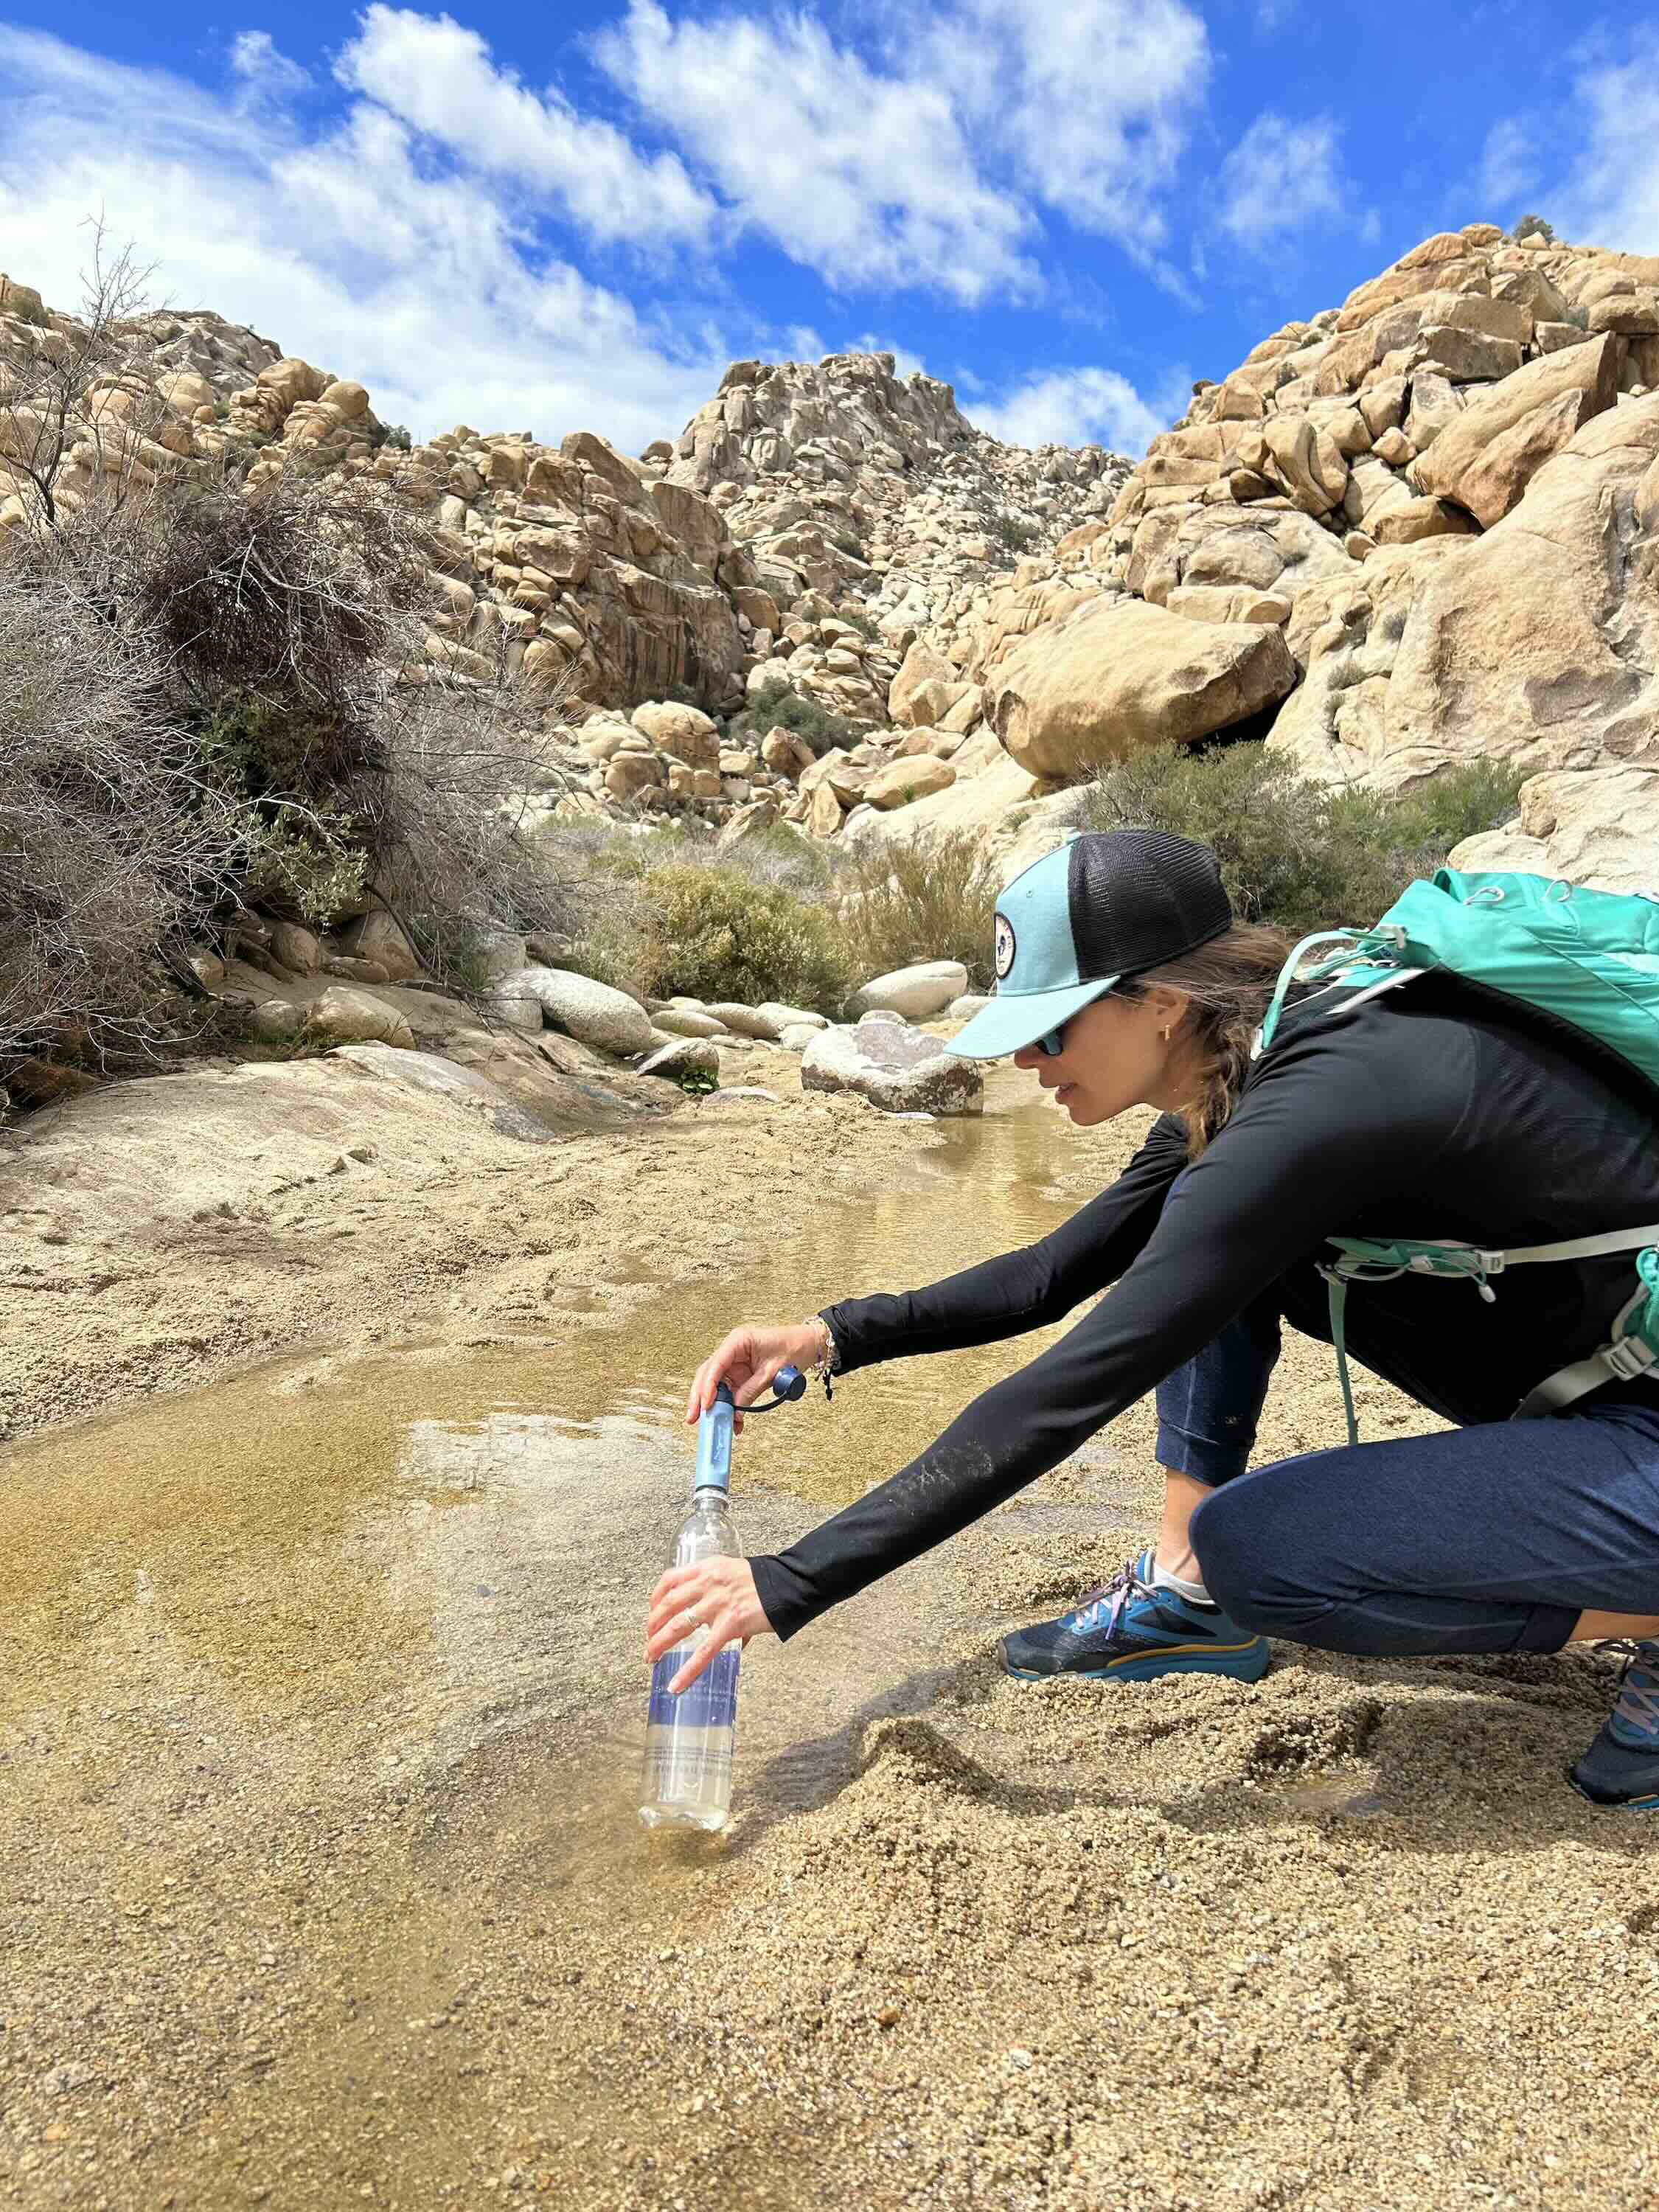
point(301, 1543)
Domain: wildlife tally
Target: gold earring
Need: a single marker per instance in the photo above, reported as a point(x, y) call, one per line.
point(1166, 1034)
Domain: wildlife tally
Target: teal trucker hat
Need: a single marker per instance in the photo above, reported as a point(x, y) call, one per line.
point(1107, 904)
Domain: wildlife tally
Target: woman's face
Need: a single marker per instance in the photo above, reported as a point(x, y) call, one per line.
point(1112, 1057)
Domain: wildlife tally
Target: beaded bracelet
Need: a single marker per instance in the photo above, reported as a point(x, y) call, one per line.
point(829, 1359)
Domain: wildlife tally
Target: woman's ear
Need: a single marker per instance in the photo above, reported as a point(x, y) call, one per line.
point(1168, 1007)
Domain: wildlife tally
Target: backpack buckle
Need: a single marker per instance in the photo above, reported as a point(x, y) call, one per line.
point(1630, 1359)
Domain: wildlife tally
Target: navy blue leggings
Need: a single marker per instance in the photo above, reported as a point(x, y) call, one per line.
point(1493, 1538)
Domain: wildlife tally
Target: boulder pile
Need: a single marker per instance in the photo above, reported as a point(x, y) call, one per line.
point(857, 492)
point(1416, 529)
point(1419, 526)
point(805, 529)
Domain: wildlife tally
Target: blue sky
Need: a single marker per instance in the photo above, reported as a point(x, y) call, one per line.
point(573, 217)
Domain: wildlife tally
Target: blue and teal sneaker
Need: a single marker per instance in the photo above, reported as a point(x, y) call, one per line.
point(1621, 1767)
point(1131, 1631)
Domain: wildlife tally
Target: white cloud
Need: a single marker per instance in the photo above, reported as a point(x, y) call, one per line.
point(1509, 164)
point(925, 165)
point(1611, 197)
point(343, 244)
point(1280, 176)
point(868, 178)
point(1085, 101)
point(438, 78)
point(1082, 407)
point(265, 73)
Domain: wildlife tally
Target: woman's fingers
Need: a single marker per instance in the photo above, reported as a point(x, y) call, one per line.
point(684, 1600)
point(718, 1596)
point(759, 1381)
point(672, 1601)
point(745, 1360)
point(702, 1658)
point(703, 1382)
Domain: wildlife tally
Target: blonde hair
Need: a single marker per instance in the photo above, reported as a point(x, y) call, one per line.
point(1229, 983)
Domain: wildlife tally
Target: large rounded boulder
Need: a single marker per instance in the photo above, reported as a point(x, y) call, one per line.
point(593, 1013)
point(1117, 676)
point(918, 993)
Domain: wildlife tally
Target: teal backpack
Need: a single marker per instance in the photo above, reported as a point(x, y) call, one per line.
point(1587, 958)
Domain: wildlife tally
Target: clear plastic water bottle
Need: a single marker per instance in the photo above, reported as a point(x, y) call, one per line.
point(687, 1781)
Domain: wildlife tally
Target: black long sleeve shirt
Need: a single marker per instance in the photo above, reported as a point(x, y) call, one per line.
point(1420, 1115)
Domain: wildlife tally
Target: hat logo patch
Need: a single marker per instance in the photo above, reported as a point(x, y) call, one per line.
point(1002, 937)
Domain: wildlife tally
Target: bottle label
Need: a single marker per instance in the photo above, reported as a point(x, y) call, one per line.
point(709, 1701)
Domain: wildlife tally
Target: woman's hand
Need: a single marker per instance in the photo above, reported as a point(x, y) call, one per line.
point(718, 1595)
point(747, 1361)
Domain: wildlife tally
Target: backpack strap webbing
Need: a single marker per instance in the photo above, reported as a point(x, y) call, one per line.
point(1631, 1352)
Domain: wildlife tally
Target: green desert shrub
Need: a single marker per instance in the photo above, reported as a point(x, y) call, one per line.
point(778, 705)
point(901, 902)
point(720, 934)
point(1012, 533)
point(665, 911)
point(1302, 855)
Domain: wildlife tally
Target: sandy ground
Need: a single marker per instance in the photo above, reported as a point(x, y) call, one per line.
point(155, 1234)
point(319, 1711)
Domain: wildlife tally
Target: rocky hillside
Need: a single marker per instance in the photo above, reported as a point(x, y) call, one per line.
point(844, 481)
point(805, 527)
point(1421, 527)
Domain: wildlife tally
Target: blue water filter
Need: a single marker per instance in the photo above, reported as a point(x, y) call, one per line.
point(714, 1445)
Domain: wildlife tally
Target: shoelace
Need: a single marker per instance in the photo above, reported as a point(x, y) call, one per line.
point(1110, 1599)
point(1637, 1702)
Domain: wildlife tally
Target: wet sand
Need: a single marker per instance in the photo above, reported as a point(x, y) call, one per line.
point(320, 1711)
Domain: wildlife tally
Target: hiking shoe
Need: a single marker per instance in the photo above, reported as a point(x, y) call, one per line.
point(1131, 1631)
point(1621, 1767)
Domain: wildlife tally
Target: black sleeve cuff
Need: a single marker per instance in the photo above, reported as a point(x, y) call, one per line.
point(783, 1598)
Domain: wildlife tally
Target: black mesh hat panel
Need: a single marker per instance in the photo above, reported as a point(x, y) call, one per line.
point(1139, 898)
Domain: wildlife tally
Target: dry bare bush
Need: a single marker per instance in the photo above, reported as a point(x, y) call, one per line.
point(902, 902)
point(209, 695)
point(293, 618)
point(305, 593)
point(112, 840)
point(284, 739)
point(84, 386)
point(455, 855)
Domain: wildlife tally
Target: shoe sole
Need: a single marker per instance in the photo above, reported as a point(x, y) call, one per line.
point(1650, 1804)
point(1247, 1665)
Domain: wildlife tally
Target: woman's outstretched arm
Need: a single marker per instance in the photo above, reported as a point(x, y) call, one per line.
point(1022, 1289)
point(1311, 1145)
